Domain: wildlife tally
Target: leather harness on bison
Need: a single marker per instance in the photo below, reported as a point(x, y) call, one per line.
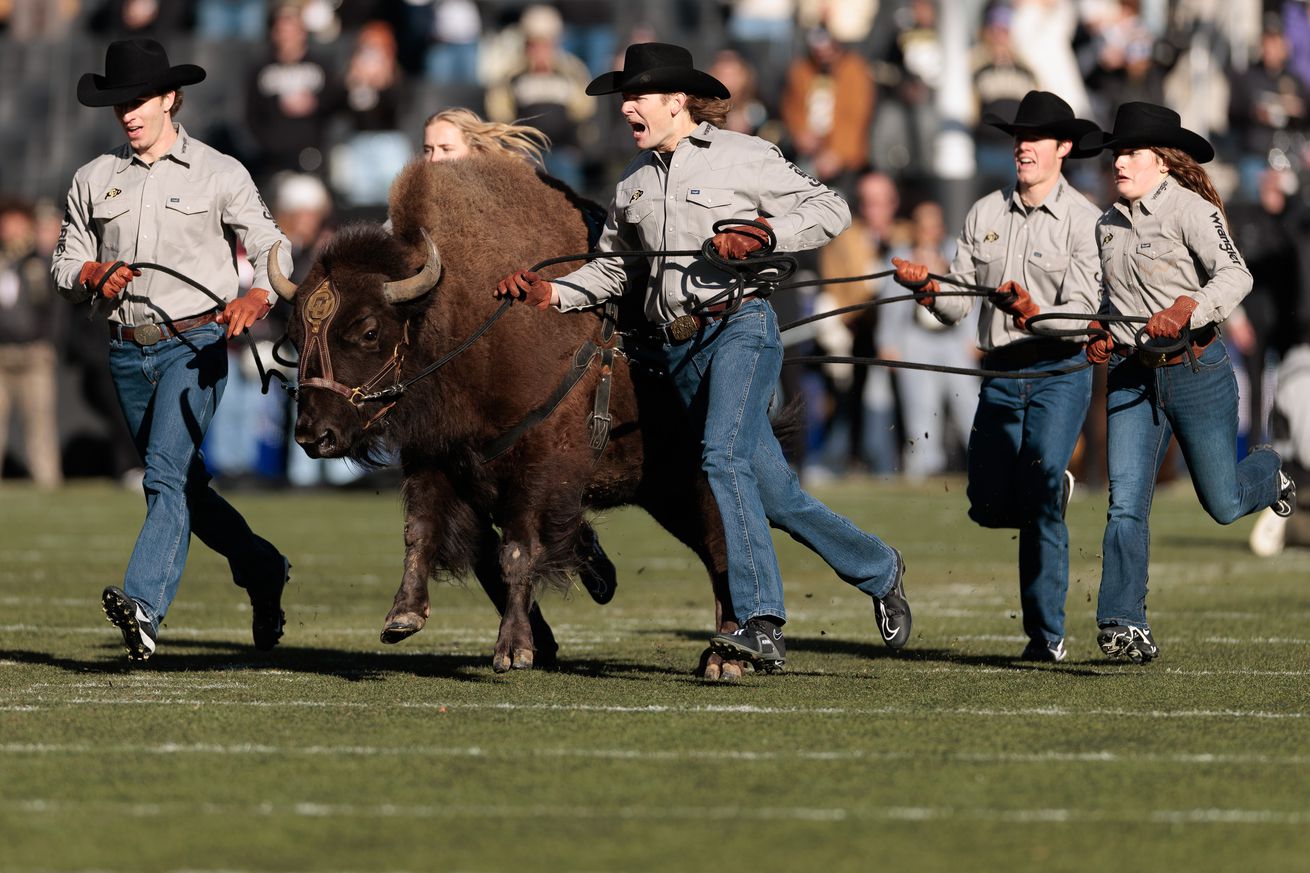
point(377, 306)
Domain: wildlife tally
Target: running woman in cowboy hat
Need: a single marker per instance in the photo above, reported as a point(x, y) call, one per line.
point(167, 198)
point(1034, 242)
point(725, 363)
point(1166, 253)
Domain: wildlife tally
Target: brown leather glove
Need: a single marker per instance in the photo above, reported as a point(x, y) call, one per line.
point(740, 240)
point(94, 271)
point(1013, 299)
point(1099, 345)
point(244, 311)
point(527, 286)
point(915, 277)
point(1170, 322)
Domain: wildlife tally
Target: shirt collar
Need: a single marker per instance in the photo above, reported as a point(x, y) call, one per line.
point(1056, 202)
point(181, 151)
point(1152, 204)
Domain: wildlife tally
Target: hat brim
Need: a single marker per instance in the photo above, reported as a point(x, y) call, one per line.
point(96, 90)
point(1073, 129)
point(659, 80)
point(1174, 138)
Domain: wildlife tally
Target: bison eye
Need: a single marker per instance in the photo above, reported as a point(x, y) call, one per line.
point(371, 335)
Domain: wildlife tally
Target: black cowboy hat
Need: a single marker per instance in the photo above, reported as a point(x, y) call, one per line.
point(1044, 113)
point(1137, 125)
point(134, 68)
point(658, 68)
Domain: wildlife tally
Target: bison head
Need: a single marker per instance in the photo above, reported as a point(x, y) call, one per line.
point(354, 317)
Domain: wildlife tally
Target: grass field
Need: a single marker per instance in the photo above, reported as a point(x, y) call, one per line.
point(337, 753)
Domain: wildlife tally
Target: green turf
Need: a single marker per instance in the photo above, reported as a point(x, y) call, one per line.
point(337, 753)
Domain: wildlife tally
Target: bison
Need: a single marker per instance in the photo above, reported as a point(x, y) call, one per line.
point(378, 307)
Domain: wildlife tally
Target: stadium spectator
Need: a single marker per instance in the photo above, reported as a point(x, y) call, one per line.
point(724, 362)
point(1120, 53)
point(548, 85)
point(38, 20)
point(1000, 81)
point(863, 422)
point(910, 333)
point(371, 93)
point(153, 18)
point(289, 99)
point(456, 28)
point(906, 123)
point(164, 197)
point(29, 338)
point(1043, 32)
point(827, 105)
point(220, 20)
point(1033, 242)
point(748, 114)
point(1267, 108)
point(1166, 253)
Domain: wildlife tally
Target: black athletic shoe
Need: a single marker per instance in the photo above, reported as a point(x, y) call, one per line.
point(266, 616)
point(1124, 641)
point(1066, 492)
point(759, 642)
point(597, 572)
point(893, 610)
point(127, 615)
point(1285, 505)
point(1044, 650)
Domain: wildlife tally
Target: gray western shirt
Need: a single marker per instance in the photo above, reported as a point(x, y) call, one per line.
point(1049, 249)
point(1171, 242)
point(671, 201)
point(185, 211)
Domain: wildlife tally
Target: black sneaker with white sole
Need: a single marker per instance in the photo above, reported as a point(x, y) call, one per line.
point(596, 572)
point(1285, 505)
point(893, 610)
point(127, 615)
point(1044, 650)
point(267, 619)
point(1125, 641)
point(759, 642)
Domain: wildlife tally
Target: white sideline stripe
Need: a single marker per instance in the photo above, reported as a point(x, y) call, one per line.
point(31, 703)
point(1102, 757)
point(309, 809)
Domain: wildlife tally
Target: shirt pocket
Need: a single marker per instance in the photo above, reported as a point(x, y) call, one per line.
point(112, 223)
point(187, 222)
point(1157, 258)
point(988, 261)
point(710, 198)
point(1052, 267)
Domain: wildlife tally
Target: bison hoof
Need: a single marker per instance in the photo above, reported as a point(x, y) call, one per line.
point(713, 668)
point(501, 663)
point(523, 659)
point(400, 627)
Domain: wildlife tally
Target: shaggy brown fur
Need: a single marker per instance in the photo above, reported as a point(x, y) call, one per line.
point(489, 216)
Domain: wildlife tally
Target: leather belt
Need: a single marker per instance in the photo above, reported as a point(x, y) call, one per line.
point(1200, 341)
point(684, 327)
point(149, 333)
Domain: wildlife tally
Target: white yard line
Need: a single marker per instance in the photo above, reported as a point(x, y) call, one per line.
point(312, 809)
point(30, 703)
point(347, 751)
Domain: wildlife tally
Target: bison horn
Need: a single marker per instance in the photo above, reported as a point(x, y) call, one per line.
point(404, 290)
point(285, 288)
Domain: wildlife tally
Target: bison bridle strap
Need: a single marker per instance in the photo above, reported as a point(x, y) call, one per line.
point(319, 310)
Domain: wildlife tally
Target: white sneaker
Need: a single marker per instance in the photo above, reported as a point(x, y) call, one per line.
point(1269, 534)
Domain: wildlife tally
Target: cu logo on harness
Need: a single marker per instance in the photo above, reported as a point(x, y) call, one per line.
point(320, 306)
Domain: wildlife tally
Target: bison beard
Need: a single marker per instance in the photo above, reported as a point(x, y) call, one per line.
point(487, 216)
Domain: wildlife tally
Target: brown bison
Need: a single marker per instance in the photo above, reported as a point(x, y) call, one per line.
point(378, 307)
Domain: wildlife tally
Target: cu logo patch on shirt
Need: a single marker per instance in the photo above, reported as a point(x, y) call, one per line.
point(804, 175)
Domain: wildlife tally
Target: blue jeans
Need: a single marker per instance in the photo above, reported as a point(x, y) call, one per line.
point(168, 392)
point(1024, 433)
point(1144, 407)
point(726, 376)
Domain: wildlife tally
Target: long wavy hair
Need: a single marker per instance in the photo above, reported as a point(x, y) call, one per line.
point(1191, 175)
point(520, 140)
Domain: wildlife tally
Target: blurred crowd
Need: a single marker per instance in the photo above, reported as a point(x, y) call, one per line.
point(324, 101)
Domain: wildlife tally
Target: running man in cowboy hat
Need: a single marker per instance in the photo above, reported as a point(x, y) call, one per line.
point(724, 361)
point(1167, 255)
point(1034, 242)
point(169, 199)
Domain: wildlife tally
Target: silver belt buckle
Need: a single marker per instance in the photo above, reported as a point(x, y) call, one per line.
point(147, 334)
